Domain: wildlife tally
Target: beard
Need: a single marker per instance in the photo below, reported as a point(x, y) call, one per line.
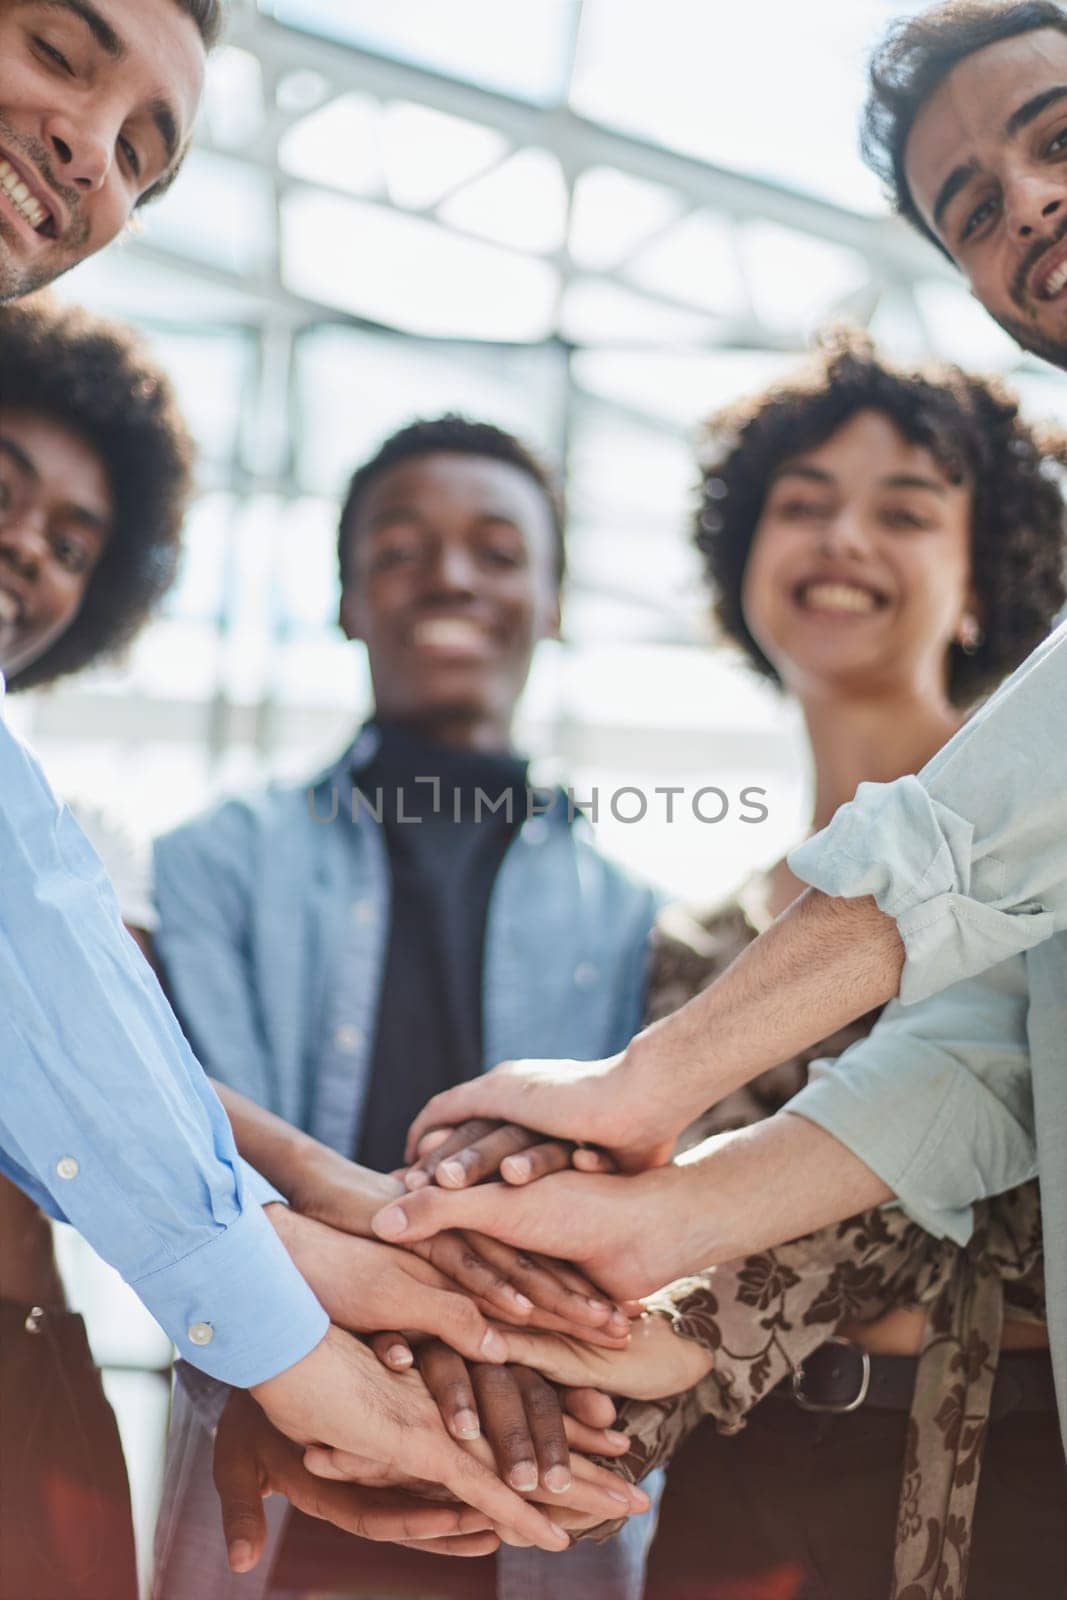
point(1047, 346)
point(17, 281)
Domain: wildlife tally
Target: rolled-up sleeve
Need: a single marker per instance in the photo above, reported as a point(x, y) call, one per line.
point(938, 1099)
point(969, 857)
point(106, 1110)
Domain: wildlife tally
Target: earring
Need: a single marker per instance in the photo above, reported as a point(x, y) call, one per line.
point(969, 634)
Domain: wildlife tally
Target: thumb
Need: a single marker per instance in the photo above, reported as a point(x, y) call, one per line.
point(244, 1525)
point(431, 1210)
point(455, 1320)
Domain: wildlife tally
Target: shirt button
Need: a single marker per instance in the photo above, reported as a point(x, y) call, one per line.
point(201, 1333)
point(535, 831)
point(585, 975)
point(348, 1039)
point(67, 1167)
point(364, 912)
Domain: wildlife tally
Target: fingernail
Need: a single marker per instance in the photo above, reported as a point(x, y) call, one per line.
point(452, 1172)
point(520, 1300)
point(391, 1223)
point(597, 1305)
point(640, 1499)
point(494, 1346)
point(558, 1479)
point(561, 1538)
point(466, 1425)
point(399, 1356)
point(618, 1495)
point(614, 1437)
point(517, 1167)
point(523, 1476)
point(240, 1555)
point(416, 1179)
point(619, 1322)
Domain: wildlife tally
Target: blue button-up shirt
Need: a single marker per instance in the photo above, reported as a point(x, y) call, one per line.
point(106, 1118)
point(961, 1090)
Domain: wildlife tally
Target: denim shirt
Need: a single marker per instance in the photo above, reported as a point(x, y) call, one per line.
point(274, 918)
point(970, 859)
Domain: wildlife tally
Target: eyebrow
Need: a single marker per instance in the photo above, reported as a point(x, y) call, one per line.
point(92, 521)
point(166, 126)
point(26, 465)
point(957, 179)
point(897, 480)
point(914, 480)
point(98, 25)
point(1032, 109)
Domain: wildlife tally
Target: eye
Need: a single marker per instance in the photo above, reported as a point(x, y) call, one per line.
point(1057, 144)
point(801, 510)
point(977, 218)
point(54, 56)
point(901, 517)
point(133, 160)
point(392, 555)
point(71, 554)
point(500, 556)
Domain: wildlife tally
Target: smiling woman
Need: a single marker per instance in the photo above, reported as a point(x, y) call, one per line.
point(94, 480)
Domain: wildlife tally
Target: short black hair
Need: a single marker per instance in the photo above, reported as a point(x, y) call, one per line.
point(451, 434)
point(972, 428)
point(209, 16)
point(913, 60)
point(94, 378)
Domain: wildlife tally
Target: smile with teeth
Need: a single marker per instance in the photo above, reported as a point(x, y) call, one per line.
point(25, 203)
point(1055, 282)
point(838, 597)
point(450, 633)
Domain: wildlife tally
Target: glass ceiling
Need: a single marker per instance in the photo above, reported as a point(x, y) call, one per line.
point(591, 221)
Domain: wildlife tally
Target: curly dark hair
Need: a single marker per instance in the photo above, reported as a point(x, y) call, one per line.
point(451, 434)
point(94, 378)
point(972, 428)
point(913, 60)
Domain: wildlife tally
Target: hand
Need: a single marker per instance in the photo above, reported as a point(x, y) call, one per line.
point(341, 1398)
point(595, 1491)
point(657, 1363)
point(511, 1286)
point(520, 1415)
point(479, 1150)
point(607, 1103)
point(631, 1235)
point(363, 1284)
point(253, 1460)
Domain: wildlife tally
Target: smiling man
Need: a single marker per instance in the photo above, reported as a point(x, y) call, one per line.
point(97, 102)
point(341, 952)
point(967, 125)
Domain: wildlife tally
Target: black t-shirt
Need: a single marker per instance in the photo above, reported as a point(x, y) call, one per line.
point(446, 837)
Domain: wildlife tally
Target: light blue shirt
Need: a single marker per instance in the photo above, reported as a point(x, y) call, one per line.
point(274, 917)
point(107, 1120)
point(961, 1089)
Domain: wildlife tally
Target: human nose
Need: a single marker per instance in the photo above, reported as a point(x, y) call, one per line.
point(453, 571)
point(22, 543)
point(1031, 202)
point(844, 533)
point(82, 148)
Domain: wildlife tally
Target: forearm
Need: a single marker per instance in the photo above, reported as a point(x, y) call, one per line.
point(269, 1143)
point(823, 963)
point(743, 1192)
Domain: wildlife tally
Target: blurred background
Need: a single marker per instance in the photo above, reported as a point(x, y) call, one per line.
point(589, 221)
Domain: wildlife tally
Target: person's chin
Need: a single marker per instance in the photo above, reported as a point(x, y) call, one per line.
point(1046, 339)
